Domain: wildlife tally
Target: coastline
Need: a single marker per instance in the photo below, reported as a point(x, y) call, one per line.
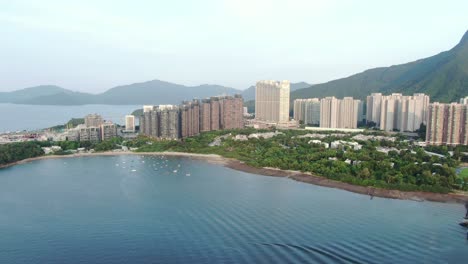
point(274, 172)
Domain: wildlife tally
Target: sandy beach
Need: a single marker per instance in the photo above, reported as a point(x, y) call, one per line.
point(295, 175)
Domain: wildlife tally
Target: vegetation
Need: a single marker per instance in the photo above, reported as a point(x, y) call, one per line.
point(14, 152)
point(410, 170)
point(442, 76)
point(74, 122)
point(464, 173)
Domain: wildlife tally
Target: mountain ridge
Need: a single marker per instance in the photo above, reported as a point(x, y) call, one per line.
point(443, 76)
point(149, 92)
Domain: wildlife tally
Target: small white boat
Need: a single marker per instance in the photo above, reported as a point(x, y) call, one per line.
point(188, 174)
point(175, 171)
point(133, 170)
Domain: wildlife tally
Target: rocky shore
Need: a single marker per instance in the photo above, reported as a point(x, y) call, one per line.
point(295, 175)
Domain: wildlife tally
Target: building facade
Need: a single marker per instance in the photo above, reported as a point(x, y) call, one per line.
point(93, 120)
point(272, 101)
point(90, 133)
point(130, 123)
point(307, 111)
point(447, 124)
point(374, 107)
point(108, 130)
point(192, 117)
point(340, 113)
point(397, 112)
point(464, 100)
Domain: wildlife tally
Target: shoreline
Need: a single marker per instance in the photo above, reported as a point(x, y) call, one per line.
point(275, 172)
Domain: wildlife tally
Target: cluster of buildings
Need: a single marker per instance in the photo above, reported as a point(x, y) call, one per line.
point(329, 112)
point(446, 124)
point(94, 129)
point(397, 112)
point(192, 117)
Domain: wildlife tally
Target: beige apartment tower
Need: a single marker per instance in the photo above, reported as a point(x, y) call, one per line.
point(447, 124)
point(340, 113)
point(272, 101)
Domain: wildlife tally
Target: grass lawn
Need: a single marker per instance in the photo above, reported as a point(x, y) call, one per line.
point(464, 173)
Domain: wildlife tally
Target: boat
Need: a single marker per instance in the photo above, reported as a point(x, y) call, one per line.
point(188, 174)
point(133, 170)
point(464, 223)
point(175, 171)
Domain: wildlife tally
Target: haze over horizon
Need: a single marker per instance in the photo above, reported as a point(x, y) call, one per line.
point(91, 47)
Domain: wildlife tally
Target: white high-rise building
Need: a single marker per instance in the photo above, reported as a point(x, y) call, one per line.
point(329, 107)
point(272, 101)
point(307, 111)
point(130, 123)
point(148, 108)
point(374, 106)
point(464, 100)
point(340, 113)
point(403, 113)
point(349, 114)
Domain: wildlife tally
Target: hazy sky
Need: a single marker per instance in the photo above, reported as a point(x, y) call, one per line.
point(95, 45)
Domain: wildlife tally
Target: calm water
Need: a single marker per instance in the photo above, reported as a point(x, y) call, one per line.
point(93, 210)
point(30, 117)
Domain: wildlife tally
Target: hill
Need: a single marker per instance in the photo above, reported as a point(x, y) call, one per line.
point(151, 92)
point(30, 93)
point(443, 76)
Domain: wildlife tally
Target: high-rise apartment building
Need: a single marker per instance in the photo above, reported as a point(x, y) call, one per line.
point(272, 101)
point(130, 123)
point(447, 124)
point(169, 127)
point(329, 111)
point(232, 113)
point(403, 113)
point(108, 130)
point(340, 113)
point(464, 100)
point(90, 133)
point(205, 115)
point(93, 120)
point(215, 113)
point(374, 106)
point(190, 118)
point(307, 111)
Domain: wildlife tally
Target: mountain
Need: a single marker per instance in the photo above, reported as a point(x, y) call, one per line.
point(249, 93)
point(160, 92)
point(151, 92)
point(444, 77)
point(30, 93)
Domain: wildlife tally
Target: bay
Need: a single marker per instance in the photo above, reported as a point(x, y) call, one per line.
point(148, 209)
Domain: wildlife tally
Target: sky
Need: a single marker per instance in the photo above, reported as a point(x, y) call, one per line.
point(93, 45)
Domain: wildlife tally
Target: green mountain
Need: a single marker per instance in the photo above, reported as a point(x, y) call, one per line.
point(151, 92)
point(444, 77)
point(249, 93)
